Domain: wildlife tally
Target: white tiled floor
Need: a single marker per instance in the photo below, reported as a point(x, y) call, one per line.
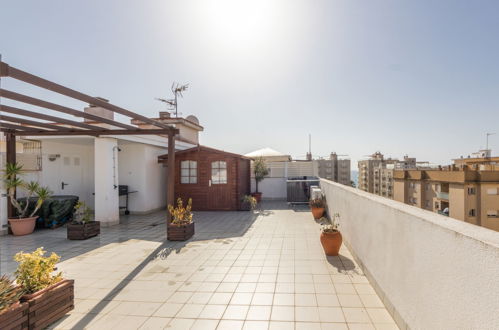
point(240, 271)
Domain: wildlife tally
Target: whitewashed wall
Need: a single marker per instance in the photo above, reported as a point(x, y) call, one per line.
point(274, 185)
point(75, 166)
point(432, 272)
point(139, 169)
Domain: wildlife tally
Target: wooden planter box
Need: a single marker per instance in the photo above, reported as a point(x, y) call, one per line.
point(83, 231)
point(50, 304)
point(180, 233)
point(14, 317)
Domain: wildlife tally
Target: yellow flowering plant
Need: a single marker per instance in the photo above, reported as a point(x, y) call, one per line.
point(35, 272)
point(181, 215)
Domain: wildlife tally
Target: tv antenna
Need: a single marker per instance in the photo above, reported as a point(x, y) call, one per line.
point(487, 144)
point(172, 104)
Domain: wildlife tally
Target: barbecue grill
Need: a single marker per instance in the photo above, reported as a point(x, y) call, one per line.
point(123, 191)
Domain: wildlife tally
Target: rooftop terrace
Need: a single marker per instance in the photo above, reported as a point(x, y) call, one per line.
point(241, 270)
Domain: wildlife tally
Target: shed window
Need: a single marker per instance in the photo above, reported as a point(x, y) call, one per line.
point(188, 171)
point(219, 172)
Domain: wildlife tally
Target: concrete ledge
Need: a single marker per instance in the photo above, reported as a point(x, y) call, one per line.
point(432, 272)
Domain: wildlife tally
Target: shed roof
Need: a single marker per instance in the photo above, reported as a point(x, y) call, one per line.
point(163, 158)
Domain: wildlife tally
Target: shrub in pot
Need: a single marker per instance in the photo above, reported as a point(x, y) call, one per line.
point(318, 205)
point(331, 238)
point(82, 226)
point(24, 223)
point(248, 203)
point(260, 171)
point(181, 226)
point(48, 295)
point(13, 314)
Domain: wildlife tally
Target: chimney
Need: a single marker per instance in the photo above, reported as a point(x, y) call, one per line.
point(164, 115)
point(99, 111)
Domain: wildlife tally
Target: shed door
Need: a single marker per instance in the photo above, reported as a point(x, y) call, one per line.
point(219, 187)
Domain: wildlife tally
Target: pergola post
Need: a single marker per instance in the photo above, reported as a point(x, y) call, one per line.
point(170, 191)
point(10, 141)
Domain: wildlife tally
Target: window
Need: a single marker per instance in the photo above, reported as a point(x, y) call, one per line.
point(472, 213)
point(492, 191)
point(427, 203)
point(427, 187)
point(219, 172)
point(188, 171)
point(471, 190)
point(492, 213)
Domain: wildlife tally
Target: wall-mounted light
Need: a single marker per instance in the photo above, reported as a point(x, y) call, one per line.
point(54, 157)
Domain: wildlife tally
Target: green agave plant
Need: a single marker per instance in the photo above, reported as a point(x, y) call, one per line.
point(12, 181)
point(9, 293)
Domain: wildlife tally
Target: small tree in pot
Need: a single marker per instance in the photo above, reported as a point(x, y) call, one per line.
point(260, 171)
point(331, 238)
point(24, 223)
point(82, 226)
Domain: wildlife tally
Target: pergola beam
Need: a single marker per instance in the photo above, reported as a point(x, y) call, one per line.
point(46, 84)
point(30, 131)
point(56, 107)
point(32, 114)
point(21, 129)
point(33, 123)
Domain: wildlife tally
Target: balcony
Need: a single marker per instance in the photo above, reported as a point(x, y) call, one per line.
point(426, 267)
point(443, 195)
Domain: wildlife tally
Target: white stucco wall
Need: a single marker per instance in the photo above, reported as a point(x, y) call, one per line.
point(139, 169)
point(271, 188)
point(436, 272)
point(79, 176)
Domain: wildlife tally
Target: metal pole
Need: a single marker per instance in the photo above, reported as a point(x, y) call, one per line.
point(170, 192)
point(10, 141)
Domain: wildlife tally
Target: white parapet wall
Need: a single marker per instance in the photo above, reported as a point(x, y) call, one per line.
point(431, 271)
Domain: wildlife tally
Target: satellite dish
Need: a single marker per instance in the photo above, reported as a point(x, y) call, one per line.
point(193, 119)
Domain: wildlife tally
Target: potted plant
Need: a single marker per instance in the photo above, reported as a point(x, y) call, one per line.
point(24, 223)
point(260, 171)
point(82, 226)
point(318, 205)
point(248, 203)
point(181, 226)
point(331, 238)
point(49, 296)
point(13, 314)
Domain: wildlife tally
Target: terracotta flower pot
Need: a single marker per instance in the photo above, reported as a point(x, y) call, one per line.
point(331, 242)
point(258, 196)
point(317, 212)
point(23, 226)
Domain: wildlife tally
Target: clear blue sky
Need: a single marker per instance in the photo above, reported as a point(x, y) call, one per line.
point(416, 77)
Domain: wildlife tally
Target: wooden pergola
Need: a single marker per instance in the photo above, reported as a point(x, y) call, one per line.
point(33, 123)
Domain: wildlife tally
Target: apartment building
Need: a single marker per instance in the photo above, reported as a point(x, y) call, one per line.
point(376, 173)
point(334, 169)
point(468, 190)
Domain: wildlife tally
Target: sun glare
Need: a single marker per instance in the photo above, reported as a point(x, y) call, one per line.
point(238, 25)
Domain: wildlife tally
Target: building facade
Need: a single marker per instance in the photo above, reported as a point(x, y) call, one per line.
point(376, 173)
point(468, 190)
point(334, 169)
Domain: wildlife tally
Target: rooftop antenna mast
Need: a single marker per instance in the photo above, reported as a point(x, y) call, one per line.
point(487, 144)
point(172, 104)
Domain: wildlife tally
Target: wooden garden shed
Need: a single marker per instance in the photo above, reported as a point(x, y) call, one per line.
point(214, 179)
